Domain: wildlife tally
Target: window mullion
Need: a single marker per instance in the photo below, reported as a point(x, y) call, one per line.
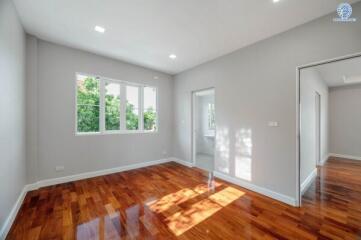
point(156, 110)
point(123, 103)
point(102, 105)
point(140, 107)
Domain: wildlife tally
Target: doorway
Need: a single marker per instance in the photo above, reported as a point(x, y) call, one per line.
point(204, 129)
point(328, 116)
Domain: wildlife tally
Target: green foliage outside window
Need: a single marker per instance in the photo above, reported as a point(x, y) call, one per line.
point(88, 110)
point(150, 119)
point(88, 105)
point(112, 112)
point(131, 117)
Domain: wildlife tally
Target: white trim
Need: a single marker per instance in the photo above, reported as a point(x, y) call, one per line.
point(101, 119)
point(182, 162)
point(141, 108)
point(116, 132)
point(323, 161)
point(345, 156)
point(331, 60)
point(14, 211)
point(298, 138)
point(308, 181)
point(277, 196)
point(54, 181)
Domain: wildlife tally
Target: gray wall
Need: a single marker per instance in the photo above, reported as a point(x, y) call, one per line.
point(12, 109)
point(345, 119)
point(56, 143)
point(257, 84)
point(311, 82)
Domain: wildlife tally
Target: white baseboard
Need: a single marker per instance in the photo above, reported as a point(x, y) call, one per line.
point(14, 211)
point(185, 163)
point(54, 181)
point(323, 161)
point(345, 156)
point(308, 181)
point(278, 196)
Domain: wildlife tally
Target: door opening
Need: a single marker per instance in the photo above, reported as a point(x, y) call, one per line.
point(204, 129)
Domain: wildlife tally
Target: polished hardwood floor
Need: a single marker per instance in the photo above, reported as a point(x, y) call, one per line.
point(170, 201)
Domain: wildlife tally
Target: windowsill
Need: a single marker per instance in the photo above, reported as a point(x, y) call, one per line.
point(115, 132)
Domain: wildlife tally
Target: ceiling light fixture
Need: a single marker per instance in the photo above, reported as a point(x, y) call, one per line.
point(172, 56)
point(99, 29)
point(276, 1)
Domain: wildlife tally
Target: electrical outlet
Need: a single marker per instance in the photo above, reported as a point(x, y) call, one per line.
point(59, 168)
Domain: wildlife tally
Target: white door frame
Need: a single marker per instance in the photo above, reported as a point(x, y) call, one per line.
point(318, 107)
point(193, 116)
point(298, 116)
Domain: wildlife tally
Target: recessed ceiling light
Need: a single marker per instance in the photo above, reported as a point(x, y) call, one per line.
point(276, 1)
point(99, 29)
point(172, 56)
point(155, 77)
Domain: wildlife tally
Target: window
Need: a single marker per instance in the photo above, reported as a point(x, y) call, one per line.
point(132, 111)
point(150, 109)
point(211, 117)
point(87, 104)
point(111, 106)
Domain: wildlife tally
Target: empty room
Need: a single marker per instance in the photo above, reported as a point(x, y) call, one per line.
point(208, 119)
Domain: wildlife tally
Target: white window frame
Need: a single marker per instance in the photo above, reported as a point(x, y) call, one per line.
point(123, 84)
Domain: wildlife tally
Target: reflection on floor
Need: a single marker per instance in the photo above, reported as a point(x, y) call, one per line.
point(170, 201)
point(205, 161)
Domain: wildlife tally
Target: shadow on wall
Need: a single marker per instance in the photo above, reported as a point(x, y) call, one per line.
point(242, 149)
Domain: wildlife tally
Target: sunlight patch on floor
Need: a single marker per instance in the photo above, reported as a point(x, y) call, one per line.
point(226, 196)
point(172, 199)
point(177, 198)
point(186, 219)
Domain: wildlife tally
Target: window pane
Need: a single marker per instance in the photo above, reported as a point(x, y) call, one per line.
point(211, 117)
point(150, 109)
point(132, 110)
point(88, 118)
point(87, 90)
point(112, 106)
point(87, 104)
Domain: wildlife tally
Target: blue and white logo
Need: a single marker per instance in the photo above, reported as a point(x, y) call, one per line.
point(344, 11)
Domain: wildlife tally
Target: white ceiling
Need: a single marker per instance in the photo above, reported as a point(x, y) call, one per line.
point(145, 32)
point(333, 73)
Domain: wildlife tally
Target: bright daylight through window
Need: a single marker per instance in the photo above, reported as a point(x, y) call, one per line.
point(110, 106)
point(211, 117)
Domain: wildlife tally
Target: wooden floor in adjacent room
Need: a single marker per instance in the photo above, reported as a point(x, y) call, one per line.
point(170, 201)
